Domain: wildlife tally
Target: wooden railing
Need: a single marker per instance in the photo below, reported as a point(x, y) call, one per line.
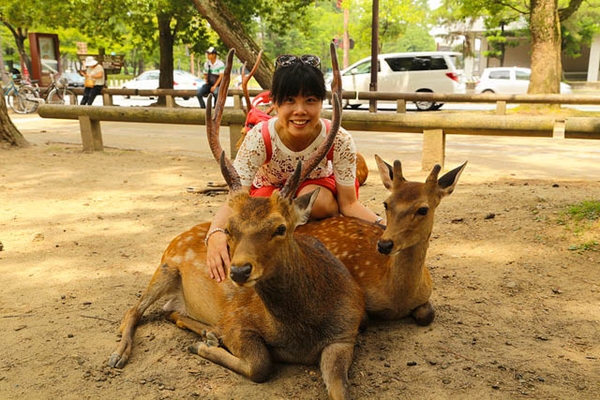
point(433, 126)
point(400, 98)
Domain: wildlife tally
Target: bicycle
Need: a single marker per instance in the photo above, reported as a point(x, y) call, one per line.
point(22, 99)
point(57, 92)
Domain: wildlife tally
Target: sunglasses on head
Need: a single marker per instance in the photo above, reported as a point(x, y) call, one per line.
point(285, 60)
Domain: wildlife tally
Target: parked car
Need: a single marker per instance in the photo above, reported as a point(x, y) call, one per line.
point(509, 80)
point(148, 80)
point(433, 72)
point(74, 79)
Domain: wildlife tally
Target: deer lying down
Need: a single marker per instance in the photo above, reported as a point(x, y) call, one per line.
point(389, 265)
point(288, 299)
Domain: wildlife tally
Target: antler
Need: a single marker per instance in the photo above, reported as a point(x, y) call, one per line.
point(336, 83)
point(291, 185)
point(246, 79)
point(213, 124)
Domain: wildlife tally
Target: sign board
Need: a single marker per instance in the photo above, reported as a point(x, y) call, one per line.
point(45, 56)
point(112, 63)
point(81, 47)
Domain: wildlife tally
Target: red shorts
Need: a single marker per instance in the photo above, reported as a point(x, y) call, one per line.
point(328, 183)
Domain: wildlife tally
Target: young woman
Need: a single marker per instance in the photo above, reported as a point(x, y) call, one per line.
point(270, 151)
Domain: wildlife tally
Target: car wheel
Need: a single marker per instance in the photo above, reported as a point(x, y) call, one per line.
point(488, 91)
point(425, 105)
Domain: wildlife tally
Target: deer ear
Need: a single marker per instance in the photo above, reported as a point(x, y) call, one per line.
point(386, 172)
point(447, 183)
point(303, 205)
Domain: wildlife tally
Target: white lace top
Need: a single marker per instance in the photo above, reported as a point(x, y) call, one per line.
point(251, 157)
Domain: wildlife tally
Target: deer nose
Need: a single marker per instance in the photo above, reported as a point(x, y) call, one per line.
point(240, 274)
point(385, 246)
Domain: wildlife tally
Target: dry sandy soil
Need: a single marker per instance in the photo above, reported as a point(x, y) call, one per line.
point(517, 293)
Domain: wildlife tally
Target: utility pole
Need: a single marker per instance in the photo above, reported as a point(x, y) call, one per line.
point(346, 38)
point(374, 53)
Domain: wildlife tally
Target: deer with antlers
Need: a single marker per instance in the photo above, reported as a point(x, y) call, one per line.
point(287, 298)
point(389, 265)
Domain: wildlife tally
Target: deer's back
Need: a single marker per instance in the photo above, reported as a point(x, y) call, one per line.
point(354, 243)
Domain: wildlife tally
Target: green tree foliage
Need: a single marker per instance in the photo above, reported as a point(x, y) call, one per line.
point(554, 26)
point(580, 27)
point(400, 21)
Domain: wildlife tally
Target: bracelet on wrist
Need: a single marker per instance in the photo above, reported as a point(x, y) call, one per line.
point(378, 221)
point(209, 234)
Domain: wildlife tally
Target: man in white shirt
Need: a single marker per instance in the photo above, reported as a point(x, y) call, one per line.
point(213, 74)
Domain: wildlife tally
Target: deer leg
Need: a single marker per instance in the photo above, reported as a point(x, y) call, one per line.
point(212, 338)
point(424, 314)
point(254, 361)
point(165, 280)
point(335, 364)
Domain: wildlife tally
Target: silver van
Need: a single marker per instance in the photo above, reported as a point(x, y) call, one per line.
point(433, 71)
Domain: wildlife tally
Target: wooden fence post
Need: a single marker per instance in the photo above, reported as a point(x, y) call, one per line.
point(235, 130)
point(434, 148)
point(91, 134)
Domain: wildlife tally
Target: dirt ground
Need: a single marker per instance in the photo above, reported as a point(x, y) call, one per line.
point(517, 288)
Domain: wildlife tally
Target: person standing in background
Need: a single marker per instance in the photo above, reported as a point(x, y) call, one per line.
point(94, 80)
point(213, 74)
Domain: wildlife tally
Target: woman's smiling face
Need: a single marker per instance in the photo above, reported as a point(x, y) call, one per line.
point(300, 115)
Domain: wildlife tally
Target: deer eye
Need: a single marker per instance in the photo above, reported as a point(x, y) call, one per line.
point(423, 211)
point(385, 205)
point(280, 231)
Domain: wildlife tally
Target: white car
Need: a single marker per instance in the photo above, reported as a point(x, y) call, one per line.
point(425, 72)
point(148, 80)
point(509, 80)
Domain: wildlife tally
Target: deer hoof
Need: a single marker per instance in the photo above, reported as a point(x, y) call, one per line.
point(197, 348)
point(424, 314)
point(116, 361)
point(211, 339)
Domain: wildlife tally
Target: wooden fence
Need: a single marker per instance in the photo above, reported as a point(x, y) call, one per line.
point(433, 125)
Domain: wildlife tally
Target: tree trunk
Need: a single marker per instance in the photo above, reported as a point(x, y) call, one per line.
point(9, 134)
point(20, 35)
point(546, 64)
point(165, 41)
point(233, 34)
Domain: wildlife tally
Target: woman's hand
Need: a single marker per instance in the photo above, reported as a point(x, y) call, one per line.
point(217, 256)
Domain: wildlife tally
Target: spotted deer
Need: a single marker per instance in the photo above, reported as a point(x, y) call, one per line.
point(287, 298)
point(389, 265)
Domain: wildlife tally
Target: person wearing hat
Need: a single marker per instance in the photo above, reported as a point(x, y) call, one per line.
point(213, 74)
point(94, 80)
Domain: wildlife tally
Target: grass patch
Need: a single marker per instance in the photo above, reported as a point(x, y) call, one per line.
point(586, 210)
point(583, 219)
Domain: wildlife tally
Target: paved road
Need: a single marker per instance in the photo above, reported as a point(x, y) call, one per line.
point(490, 158)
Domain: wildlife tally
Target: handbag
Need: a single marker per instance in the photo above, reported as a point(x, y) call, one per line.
point(89, 82)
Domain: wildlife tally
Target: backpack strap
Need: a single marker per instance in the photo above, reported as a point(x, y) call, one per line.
point(269, 147)
point(267, 139)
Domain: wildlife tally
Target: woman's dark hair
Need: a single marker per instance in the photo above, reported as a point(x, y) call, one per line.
point(297, 79)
